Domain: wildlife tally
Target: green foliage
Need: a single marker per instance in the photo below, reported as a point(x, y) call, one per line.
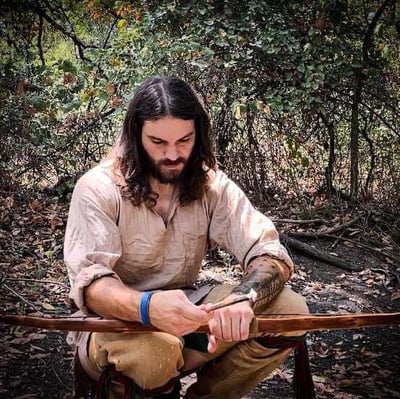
point(276, 77)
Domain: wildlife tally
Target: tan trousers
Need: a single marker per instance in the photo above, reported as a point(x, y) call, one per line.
point(152, 359)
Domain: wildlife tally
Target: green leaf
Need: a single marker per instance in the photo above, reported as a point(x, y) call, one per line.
point(301, 68)
point(122, 24)
point(73, 105)
point(67, 66)
point(38, 103)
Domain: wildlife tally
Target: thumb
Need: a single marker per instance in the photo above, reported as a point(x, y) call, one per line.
point(212, 344)
point(195, 313)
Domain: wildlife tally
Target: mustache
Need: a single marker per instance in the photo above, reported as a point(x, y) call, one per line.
point(168, 162)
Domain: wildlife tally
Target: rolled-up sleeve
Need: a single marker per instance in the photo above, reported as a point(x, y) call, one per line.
point(92, 243)
point(239, 228)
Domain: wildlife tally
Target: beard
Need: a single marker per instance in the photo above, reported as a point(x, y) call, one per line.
point(160, 171)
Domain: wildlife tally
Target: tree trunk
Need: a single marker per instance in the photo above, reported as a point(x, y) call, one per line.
point(360, 75)
point(354, 136)
point(332, 155)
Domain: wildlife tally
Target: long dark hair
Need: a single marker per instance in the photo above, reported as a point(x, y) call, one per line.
point(156, 98)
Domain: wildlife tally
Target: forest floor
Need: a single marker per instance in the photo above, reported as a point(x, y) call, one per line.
point(346, 364)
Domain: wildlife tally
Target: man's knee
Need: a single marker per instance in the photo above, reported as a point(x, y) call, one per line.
point(287, 302)
point(150, 359)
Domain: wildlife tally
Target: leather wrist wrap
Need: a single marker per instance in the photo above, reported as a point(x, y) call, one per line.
point(265, 275)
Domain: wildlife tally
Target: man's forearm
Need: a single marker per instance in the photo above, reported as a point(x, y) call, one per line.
point(266, 276)
point(109, 297)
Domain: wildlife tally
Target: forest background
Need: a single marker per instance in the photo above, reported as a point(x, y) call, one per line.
point(303, 97)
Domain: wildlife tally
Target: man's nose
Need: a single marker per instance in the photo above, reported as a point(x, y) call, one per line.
point(171, 153)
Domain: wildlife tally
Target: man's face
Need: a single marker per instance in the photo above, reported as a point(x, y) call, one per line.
point(168, 143)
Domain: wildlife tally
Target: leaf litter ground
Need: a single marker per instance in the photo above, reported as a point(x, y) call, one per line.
point(346, 364)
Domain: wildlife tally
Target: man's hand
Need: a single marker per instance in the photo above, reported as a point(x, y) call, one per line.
point(231, 323)
point(172, 312)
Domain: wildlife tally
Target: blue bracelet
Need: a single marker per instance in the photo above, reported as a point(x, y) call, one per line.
point(144, 307)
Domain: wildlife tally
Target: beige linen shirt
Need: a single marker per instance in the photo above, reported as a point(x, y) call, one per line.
point(108, 235)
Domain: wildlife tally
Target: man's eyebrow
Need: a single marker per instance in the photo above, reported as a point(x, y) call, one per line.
point(186, 136)
point(154, 137)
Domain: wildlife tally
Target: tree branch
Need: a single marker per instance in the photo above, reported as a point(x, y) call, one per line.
point(367, 43)
point(324, 232)
point(80, 45)
point(319, 255)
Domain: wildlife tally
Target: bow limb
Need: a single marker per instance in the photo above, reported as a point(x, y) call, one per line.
point(266, 323)
point(93, 324)
point(318, 322)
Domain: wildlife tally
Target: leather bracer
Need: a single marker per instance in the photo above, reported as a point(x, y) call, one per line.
point(266, 276)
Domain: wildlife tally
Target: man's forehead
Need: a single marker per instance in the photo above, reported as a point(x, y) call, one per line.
point(168, 128)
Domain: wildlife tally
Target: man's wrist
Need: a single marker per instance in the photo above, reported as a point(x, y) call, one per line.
point(144, 308)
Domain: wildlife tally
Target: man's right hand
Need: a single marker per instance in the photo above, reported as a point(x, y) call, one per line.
point(172, 312)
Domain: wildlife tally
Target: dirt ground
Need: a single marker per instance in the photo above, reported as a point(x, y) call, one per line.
point(346, 364)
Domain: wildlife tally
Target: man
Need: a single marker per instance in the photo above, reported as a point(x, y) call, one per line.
point(139, 226)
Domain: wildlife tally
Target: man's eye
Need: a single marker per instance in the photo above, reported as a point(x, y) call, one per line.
point(157, 141)
point(185, 139)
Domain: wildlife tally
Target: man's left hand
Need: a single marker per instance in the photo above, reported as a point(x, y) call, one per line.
point(231, 323)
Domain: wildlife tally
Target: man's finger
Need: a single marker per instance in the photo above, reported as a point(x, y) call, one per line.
point(226, 327)
point(244, 329)
point(237, 329)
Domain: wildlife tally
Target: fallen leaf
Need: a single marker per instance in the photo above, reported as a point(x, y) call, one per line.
point(395, 295)
point(56, 222)
point(47, 306)
point(37, 336)
point(38, 219)
point(37, 348)
point(9, 202)
point(36, 205)
point(319, 378)
point(346, 382)
point(10, 349)
point(39, 356)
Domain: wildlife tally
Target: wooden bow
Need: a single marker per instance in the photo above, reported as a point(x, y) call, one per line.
point(266, 323)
